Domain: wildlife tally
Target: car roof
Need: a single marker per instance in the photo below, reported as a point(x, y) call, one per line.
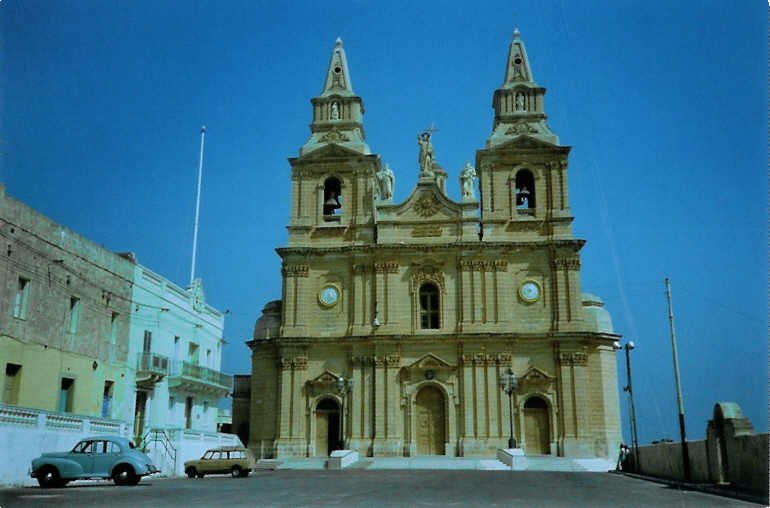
point(118, 439)
point(226, 449)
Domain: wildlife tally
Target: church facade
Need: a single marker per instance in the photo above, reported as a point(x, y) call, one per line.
point(401, 324)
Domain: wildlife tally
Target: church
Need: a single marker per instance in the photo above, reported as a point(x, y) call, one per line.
point(433, 326)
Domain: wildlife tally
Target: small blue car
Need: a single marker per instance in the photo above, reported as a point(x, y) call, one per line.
point(94, 457)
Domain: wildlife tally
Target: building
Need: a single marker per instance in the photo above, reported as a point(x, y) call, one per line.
point(93, 342)
point(176, 345)
point(399, 323)
point(65, 305)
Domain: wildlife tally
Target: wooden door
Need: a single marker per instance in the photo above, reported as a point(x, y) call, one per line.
point(536, 430)
point(430, 422)
point(322, 433)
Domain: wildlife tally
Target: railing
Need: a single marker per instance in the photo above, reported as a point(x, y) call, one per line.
point(152, 362)
point(200, 373)
point(160, 436)
point(53, 421)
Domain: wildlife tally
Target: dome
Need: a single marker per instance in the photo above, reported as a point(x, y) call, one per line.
point(269, 323)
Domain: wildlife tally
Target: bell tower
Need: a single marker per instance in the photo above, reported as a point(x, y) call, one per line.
point(523, 168)
point(332, 189)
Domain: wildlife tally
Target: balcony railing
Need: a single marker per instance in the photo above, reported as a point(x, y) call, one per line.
point(186, 373)
point(150, 369)
point(152, 363)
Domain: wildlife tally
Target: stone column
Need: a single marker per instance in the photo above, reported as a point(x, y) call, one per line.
point(574, 385)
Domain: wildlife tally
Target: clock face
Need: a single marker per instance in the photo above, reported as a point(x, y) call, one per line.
point(530, 291)
point(329, 296)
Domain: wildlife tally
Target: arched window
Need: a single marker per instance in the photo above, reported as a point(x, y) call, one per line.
point(525, 189)
point(332, 198)
point(429, 306)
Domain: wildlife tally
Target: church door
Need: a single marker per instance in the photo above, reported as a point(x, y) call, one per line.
point(430, 421)
point(536, 429)
point(327, 427)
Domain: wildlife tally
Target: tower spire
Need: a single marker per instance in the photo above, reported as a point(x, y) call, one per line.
point(337, 111)
point(518, 103)
point(338, 76)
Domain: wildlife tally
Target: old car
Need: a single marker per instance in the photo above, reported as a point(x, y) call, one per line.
point(95, 457)
point(233, 460)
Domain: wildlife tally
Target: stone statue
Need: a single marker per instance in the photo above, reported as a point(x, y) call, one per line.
point(519, 101)
point(426, 154)
point(335, 112)
point(468, 182)
point(386, 181)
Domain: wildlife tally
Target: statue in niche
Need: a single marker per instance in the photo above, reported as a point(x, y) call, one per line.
point(520, 102)
point(386, 181)
point(522, 198)
point(468, 182)
point(426, 153)
point(335, 111)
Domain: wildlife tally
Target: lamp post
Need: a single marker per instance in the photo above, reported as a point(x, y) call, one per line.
point(629, 388)
point(343, 387)
point(509, 383)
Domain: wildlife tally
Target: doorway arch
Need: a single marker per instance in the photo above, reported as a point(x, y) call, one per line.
point(430, 421)
point(537, 435)
point(327, 427)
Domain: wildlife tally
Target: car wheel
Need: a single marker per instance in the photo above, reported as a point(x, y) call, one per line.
point(48, 477)
point(190, 472)
point(236, 471)
point(124, 475)
point(199, 475)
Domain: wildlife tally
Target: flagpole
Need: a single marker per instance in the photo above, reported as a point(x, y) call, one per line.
point(197, 207)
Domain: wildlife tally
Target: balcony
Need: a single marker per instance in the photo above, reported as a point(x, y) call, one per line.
point(150, 369)
point(196, 378)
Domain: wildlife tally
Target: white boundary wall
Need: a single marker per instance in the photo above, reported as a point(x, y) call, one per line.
point(26, 433)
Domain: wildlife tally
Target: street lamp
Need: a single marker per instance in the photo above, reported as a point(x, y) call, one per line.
point(343, 387)
point(629, 346)
point(509, 383)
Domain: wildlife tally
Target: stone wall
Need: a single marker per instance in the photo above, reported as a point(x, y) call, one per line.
point(731, 454)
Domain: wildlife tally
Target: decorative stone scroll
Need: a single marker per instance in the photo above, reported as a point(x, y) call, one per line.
point(334, 136)
point(574, 358)
point(421, 276)
point(426, 206)
point(521, 127)
point(296, 270)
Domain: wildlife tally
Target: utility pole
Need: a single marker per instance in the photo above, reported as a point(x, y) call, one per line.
point(630, 389)
point(685, 452)
point(197, 207)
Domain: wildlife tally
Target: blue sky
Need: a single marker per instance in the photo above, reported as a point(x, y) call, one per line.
point(664, 104)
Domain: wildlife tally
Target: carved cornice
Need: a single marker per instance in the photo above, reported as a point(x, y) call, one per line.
point(296, 363)
point(575, 244)
point(296, 270)
point(481, 265)
point(574, 358)
point(386, 267)
point(567, 263)
point(521, 127)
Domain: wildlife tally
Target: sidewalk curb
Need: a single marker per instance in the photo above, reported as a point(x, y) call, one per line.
point(708, 488)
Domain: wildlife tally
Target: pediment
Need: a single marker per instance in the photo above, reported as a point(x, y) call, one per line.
point(332, 150)
point(326, 377)
point(535, 375)
point(527, 142)
point(429, 361)
point(427, 203)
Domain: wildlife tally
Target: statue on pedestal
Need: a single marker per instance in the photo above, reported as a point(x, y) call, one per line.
point(468, 182)
point(426, 153)
point(386, 181)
